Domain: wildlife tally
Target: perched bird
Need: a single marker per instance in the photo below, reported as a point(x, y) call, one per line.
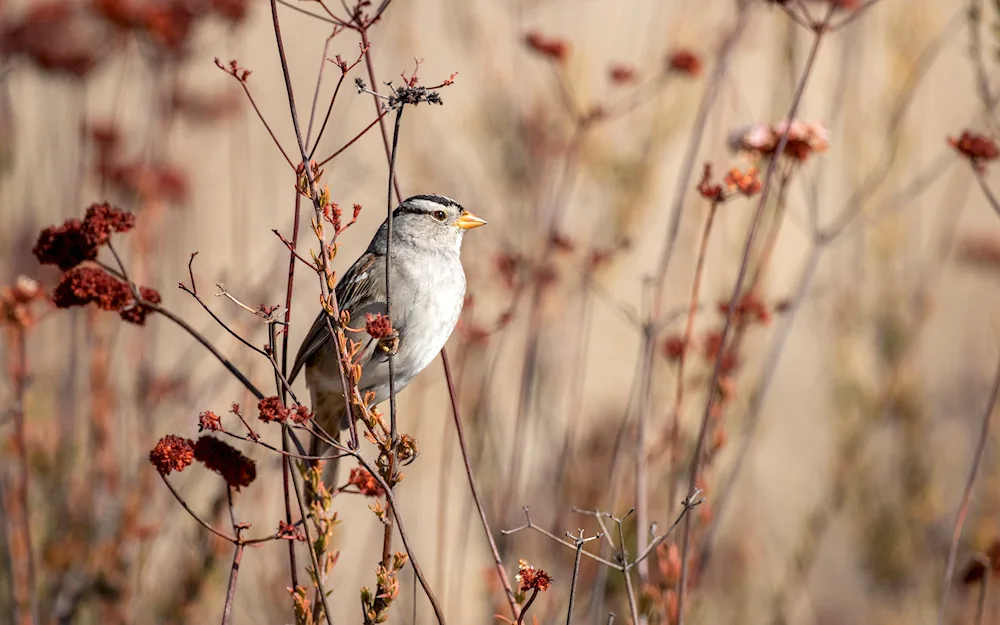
point(428, 291)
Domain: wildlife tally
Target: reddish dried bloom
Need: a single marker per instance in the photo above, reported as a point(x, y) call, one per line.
point(64, 246)
point(208, 420)
point(300, 414)
point(204, 108)
point(365, 482)
point(804, 139)
point(137, 313)
point(977, 148)
point(378, 326)
point(101, 219)
point(172, 453)
point(709, 191)
point(237, 72)
point(674, 347)
point(508, 265)
point(15, 302)
point(748, 184)
point(233, 11)
point(684, 62)
point(531, 578)
point(233, 466)
point(622, 74)
point(555, 49)
point(157, 181)
point(271, 409)
point(168, 24)
point(57, 36)
point(85, 285)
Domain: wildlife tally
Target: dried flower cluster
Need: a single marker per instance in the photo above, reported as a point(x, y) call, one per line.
point(762, 140)
point(77, 241)
point(227, 461)
point(530, 578)
point(378, 326)
point(210, 421)
point(93, 285)
point(172, 453)
point(979, 149)
point(271, 409)
point(365, 482)
point(622, 74)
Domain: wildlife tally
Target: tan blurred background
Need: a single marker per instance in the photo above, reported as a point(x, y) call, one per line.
point(842, 512)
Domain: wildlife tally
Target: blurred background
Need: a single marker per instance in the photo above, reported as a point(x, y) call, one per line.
point(835, 458)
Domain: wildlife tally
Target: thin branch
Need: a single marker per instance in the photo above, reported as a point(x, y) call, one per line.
point(963, 507)
point(529, 525)
point(498, 561)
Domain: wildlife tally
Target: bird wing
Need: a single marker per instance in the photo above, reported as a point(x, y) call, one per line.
point(360, 291)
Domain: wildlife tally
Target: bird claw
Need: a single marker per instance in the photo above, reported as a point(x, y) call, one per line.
point(389, 344)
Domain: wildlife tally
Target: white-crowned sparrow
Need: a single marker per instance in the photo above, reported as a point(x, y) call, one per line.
point(428, 290)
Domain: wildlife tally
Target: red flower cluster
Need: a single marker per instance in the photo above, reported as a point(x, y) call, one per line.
point(378, 326)
point(233, 466)
point(271, 410)
point(555, 49)
point(531, 578)
point(365, 482)
point(674, 347)
point(747, 183)
point(684, 62)
point(804, 139)
point(86, 285)
point(208, 420)
point(75, 241)
point(977, 148)
point(707, 190)
point(57, 36)
point(172, 453)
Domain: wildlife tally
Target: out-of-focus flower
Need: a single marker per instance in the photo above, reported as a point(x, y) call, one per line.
point(15, 302)
point(172, 453)
point(622, 74)
point(684, 62)
point(674, 347)
point(747, 183)
point(978, 148)
point(233, 466)
point(58, 36)
point(759, 140)
point(271, 410)
point(555, 49)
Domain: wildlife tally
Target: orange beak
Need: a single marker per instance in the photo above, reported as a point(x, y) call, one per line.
point(467, 221)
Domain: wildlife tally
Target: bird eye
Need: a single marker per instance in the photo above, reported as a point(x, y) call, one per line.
point(439, 215)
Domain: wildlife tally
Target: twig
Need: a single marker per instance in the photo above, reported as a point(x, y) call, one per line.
point(527, 604)
point(231, 592)
point(580, 541)
point(194, 514)
point(963, 507)
point(501, 572)
point(529, 525)
point(737, 293)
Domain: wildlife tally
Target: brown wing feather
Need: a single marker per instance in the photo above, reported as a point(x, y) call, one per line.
point(359, 284)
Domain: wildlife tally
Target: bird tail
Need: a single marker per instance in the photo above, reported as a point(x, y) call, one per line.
point(331, 415)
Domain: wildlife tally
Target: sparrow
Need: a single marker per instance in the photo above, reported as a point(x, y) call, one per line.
point(428, 292)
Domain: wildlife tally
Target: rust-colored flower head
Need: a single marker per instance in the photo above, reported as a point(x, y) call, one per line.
point(708, 190)
point(762, 140)
point(530, 578)
point(378, 326)
point(210, 421)
point(64, 246)
point(978, 148)
point(15, 301)
point(58, 36)
point(555, 49)
point(271, 410)
point(136, 313)
point(365, 482)
point(684, 62)
point(172, 453)
point(300, 414)
point(746, 183)
point(103, 218)
point(85, 285)
point(233, 466)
